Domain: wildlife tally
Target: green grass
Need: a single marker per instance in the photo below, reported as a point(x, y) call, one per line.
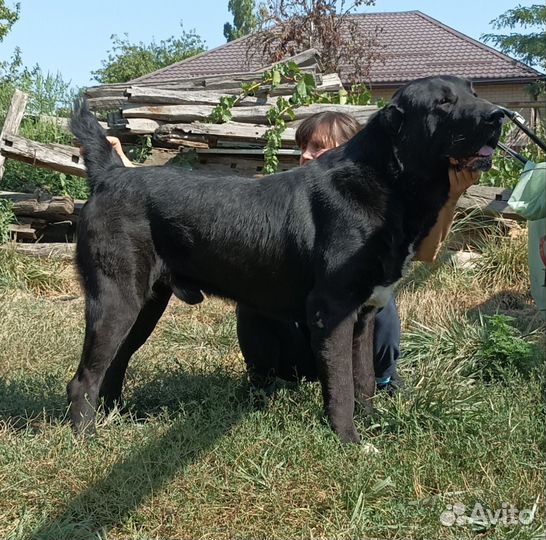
point(192, 458)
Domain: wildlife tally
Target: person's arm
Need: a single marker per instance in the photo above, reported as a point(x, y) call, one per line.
point(116, 146)
point(459, 181)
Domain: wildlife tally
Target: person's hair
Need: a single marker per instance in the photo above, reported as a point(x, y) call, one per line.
point(331, 128)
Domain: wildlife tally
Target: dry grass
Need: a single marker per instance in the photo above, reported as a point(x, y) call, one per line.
point(191, 457)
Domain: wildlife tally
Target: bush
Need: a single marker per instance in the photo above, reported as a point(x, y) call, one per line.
point(506, 170)
point(503, 349)
point(48, 95)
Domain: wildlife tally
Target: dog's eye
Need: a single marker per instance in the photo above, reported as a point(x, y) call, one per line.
point(444, 100)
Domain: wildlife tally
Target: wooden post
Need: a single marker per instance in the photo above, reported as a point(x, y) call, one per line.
point(13, 121)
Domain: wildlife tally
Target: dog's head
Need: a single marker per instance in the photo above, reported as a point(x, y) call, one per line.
point(436, 120)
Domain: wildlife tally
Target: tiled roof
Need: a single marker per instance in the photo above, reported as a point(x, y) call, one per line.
point(414, 45)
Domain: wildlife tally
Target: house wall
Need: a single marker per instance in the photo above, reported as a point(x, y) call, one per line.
point(513, 96)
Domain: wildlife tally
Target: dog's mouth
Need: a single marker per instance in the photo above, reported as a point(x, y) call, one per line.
point(481, 161)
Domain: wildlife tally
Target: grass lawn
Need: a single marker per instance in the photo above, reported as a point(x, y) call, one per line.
point(192, 458)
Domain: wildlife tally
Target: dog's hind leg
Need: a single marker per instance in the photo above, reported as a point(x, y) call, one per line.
point(363, 368)
point(147, 319)
point(110, 316)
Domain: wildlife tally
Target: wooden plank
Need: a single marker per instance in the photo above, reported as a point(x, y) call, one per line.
point(13, 121)
point(61, 122)
point(214, 83)
point(218, 81)
point(152, 95)
point(51, 208)
point(491, 201)
point(489, 192)
point(142, 126)
point(62, 251)
point(244, 152)
point(57, 157)
point(228, 131)
point(240, 164)
point(105, 103)
point(23, 232)
point(160, 96)
point(254, 115)
point(106, 90)
point(16, 196)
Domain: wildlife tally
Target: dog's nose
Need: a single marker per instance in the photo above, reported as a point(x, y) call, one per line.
point(494, 114)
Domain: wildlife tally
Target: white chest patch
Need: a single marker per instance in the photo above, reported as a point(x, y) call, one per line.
point(382, 294)
point(407, 260)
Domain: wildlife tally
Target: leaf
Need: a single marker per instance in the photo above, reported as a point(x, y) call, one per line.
point(276, 78)
point(301, 89)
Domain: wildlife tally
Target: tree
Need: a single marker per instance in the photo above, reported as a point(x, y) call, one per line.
point(529, 47)
point(245, 19)
point(292, 26)
point(128, 61)
point(7, 18)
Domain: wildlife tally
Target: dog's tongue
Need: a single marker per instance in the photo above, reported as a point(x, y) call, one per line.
point(486, 151)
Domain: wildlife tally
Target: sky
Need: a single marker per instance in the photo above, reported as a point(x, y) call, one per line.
point(72, 37)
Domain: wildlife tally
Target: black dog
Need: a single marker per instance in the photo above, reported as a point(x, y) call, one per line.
point(324, 243)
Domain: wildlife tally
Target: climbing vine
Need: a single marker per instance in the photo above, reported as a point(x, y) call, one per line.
point(304, 93)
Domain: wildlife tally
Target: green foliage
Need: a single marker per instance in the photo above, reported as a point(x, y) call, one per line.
point(490, 348)
point(245, 19)
point(506, 170)
point(529, 47)
point(127, 61)
point(6, 218)
point(24, 177)
point(142, 150)
point(222, 112)
point(359, 94)
point(503, 349)
point(7, 18)
point(48, 95)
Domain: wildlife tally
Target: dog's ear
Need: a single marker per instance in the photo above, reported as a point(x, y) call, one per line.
point(392, 117)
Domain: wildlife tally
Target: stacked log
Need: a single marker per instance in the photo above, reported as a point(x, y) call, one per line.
point(41, 216)
point(176, 114)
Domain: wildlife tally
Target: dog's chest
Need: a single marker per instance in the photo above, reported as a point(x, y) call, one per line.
point(381, 294)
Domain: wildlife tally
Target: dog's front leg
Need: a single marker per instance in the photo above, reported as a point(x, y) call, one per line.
point(363, 368)
point(331, 330)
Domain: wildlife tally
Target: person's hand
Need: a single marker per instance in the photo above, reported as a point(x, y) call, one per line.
point(461, 180)
point(118, 149)
point(116, 144)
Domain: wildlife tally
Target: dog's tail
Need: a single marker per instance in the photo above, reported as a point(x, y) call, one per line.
point(98, 154)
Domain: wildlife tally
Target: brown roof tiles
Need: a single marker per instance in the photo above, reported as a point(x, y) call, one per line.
point(414, 45)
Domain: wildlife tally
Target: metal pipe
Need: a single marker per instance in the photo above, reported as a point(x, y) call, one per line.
point(512, 153)
point(517, 119)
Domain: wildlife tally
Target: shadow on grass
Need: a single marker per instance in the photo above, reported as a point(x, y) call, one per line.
point(203, 408)
point(32, 397)
point(520, 307)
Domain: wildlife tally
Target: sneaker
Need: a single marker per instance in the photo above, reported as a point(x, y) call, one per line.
point(394, 385)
